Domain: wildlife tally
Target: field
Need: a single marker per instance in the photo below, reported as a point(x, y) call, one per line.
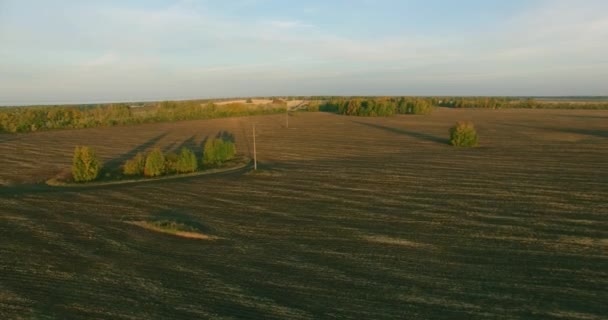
point(356, 218)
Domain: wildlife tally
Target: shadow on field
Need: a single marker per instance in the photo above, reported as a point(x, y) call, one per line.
point(592, 133)
point(6, 137)
point(413, 134)
point(114, 163)
point(585, 117)
point(189, 143)
point(226, 136)
point(586, 132)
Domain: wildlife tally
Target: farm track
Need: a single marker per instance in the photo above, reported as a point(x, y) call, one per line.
point(357, 218)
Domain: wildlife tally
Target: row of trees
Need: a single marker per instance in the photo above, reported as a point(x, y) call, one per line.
point(86, 166)
point(28, 119)
point(377, 107)
point(517, 103)
point(156, 163)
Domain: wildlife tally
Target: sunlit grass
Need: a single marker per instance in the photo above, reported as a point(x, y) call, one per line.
point(172, 227)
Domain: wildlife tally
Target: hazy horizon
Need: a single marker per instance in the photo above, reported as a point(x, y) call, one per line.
point(113, 51)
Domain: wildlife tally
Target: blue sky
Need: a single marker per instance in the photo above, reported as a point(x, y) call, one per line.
point(89, 51)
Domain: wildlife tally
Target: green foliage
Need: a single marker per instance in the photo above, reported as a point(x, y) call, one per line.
point(28, 119)
point(155, 163)
point(463, 134)
point(85, 165)
point(171, 226)
point(135, 166)
point(216, 151)
point(186, 161)
point(313, 106)
point(419, 106)
point(171, 159)
point(36, 118)
point(364, 107)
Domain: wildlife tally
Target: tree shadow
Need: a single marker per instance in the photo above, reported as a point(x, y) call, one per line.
point(5, 137)
point(189, 143)
point(226, 136)
point(586, 117)
point(114, 164)
point(413, 134)
point(586, 132)
point(170, 148)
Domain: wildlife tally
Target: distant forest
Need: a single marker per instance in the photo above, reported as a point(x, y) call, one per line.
point(36, 118)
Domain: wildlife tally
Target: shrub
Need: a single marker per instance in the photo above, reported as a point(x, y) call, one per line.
point(171, 159)
point(463, 134)
point(135, 166)
point(186, 161)
point(85, 165)
point(217, 151)
point(249, 101)
point(155, 163)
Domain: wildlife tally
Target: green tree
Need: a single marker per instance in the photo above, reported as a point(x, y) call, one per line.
point(135, 166)
point(85, 165)
point(155, 163)
point(463, 134)
point(171, 159)
point(186, 161)
point(217, 151)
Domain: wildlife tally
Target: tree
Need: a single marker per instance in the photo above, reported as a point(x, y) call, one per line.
point(463, 134)
point(171, 162)
point(85, 165)
point(135, 166)
point(186, 161)
point(217, 151)
point(155, 163)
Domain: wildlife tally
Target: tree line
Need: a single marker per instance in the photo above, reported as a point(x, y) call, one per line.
point(388, 106)
point(375, 106)
point(86, 166)
point(29, 119)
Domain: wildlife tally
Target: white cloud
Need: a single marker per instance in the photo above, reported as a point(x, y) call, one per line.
point(191, 51)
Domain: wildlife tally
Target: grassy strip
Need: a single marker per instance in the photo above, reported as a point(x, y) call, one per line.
point(238, 164)
point(173, 228)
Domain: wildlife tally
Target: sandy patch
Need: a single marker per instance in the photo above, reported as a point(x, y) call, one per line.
point(184, 234)
point(397, 242)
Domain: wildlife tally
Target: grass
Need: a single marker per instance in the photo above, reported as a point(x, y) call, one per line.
point(172, 227)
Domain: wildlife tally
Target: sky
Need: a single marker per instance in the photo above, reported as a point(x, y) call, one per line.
point(78, 51)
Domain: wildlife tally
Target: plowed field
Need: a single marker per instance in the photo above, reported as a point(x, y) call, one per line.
point(356, 218)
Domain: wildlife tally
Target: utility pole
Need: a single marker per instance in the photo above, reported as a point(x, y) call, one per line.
point(255, 158)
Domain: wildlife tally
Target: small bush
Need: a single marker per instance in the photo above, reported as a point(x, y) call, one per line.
point(186, 161)
point(155, 163)
point(85, 165)
point(217, 151)
point(171, 159)
point(135, 166)
point(463, 134)
point(249, 101)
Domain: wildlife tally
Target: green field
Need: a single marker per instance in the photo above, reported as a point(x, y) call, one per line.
point(349, 218)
